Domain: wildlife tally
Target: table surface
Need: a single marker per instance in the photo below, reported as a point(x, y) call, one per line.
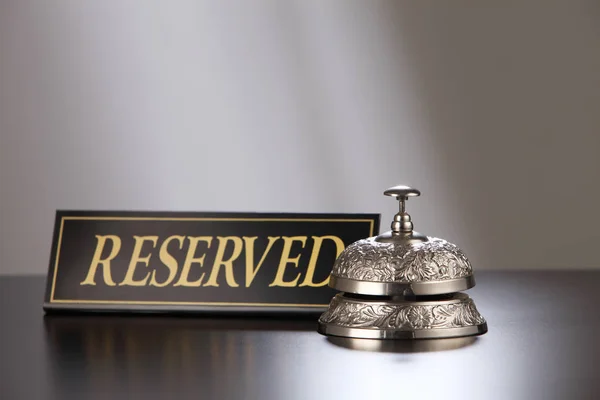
point(543, 343)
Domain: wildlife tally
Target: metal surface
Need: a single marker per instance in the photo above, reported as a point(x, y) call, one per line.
point(399, 289)
point(401, 238)
point(402, 226)
point(435, 261)
point(391, 334)
point(402, 191)
point(542, 345)
point(452, 316)
point(401, 262)
point(394, 262)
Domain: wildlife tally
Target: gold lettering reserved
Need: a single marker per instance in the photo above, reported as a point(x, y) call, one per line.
point(228, 264)
point(96, 260)
point(168, 260)
point(288, 241)
point(251, 270)
point(136, 257)
point(310, 271)
point(191, 259)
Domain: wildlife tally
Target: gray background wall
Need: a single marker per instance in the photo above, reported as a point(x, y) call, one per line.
point(492, 109)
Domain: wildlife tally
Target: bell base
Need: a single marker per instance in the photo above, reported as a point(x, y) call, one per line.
point(368, 318)
point(428, 288)
point(359, 333)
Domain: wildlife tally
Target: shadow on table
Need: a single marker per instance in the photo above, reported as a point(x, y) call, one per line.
point(402, 346)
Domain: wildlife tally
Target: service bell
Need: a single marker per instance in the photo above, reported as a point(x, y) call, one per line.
point(402, 285)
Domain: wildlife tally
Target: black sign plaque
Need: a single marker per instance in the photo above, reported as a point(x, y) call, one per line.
point(130, 261)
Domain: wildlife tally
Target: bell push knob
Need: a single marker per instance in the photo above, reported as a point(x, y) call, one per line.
point(402, 227)
point(401, 191)
point(402, 222)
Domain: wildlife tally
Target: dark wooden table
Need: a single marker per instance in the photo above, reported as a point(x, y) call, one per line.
point(543, 343)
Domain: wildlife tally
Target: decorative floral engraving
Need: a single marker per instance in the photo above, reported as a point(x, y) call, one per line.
point(405, 317)
point(368, 260)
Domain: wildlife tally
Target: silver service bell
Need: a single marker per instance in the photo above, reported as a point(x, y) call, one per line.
point(402, 285)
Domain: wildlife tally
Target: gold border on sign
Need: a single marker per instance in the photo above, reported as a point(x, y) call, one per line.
point(185, 303)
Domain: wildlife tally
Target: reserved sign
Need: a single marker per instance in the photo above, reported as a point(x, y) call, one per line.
point(180, 261)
